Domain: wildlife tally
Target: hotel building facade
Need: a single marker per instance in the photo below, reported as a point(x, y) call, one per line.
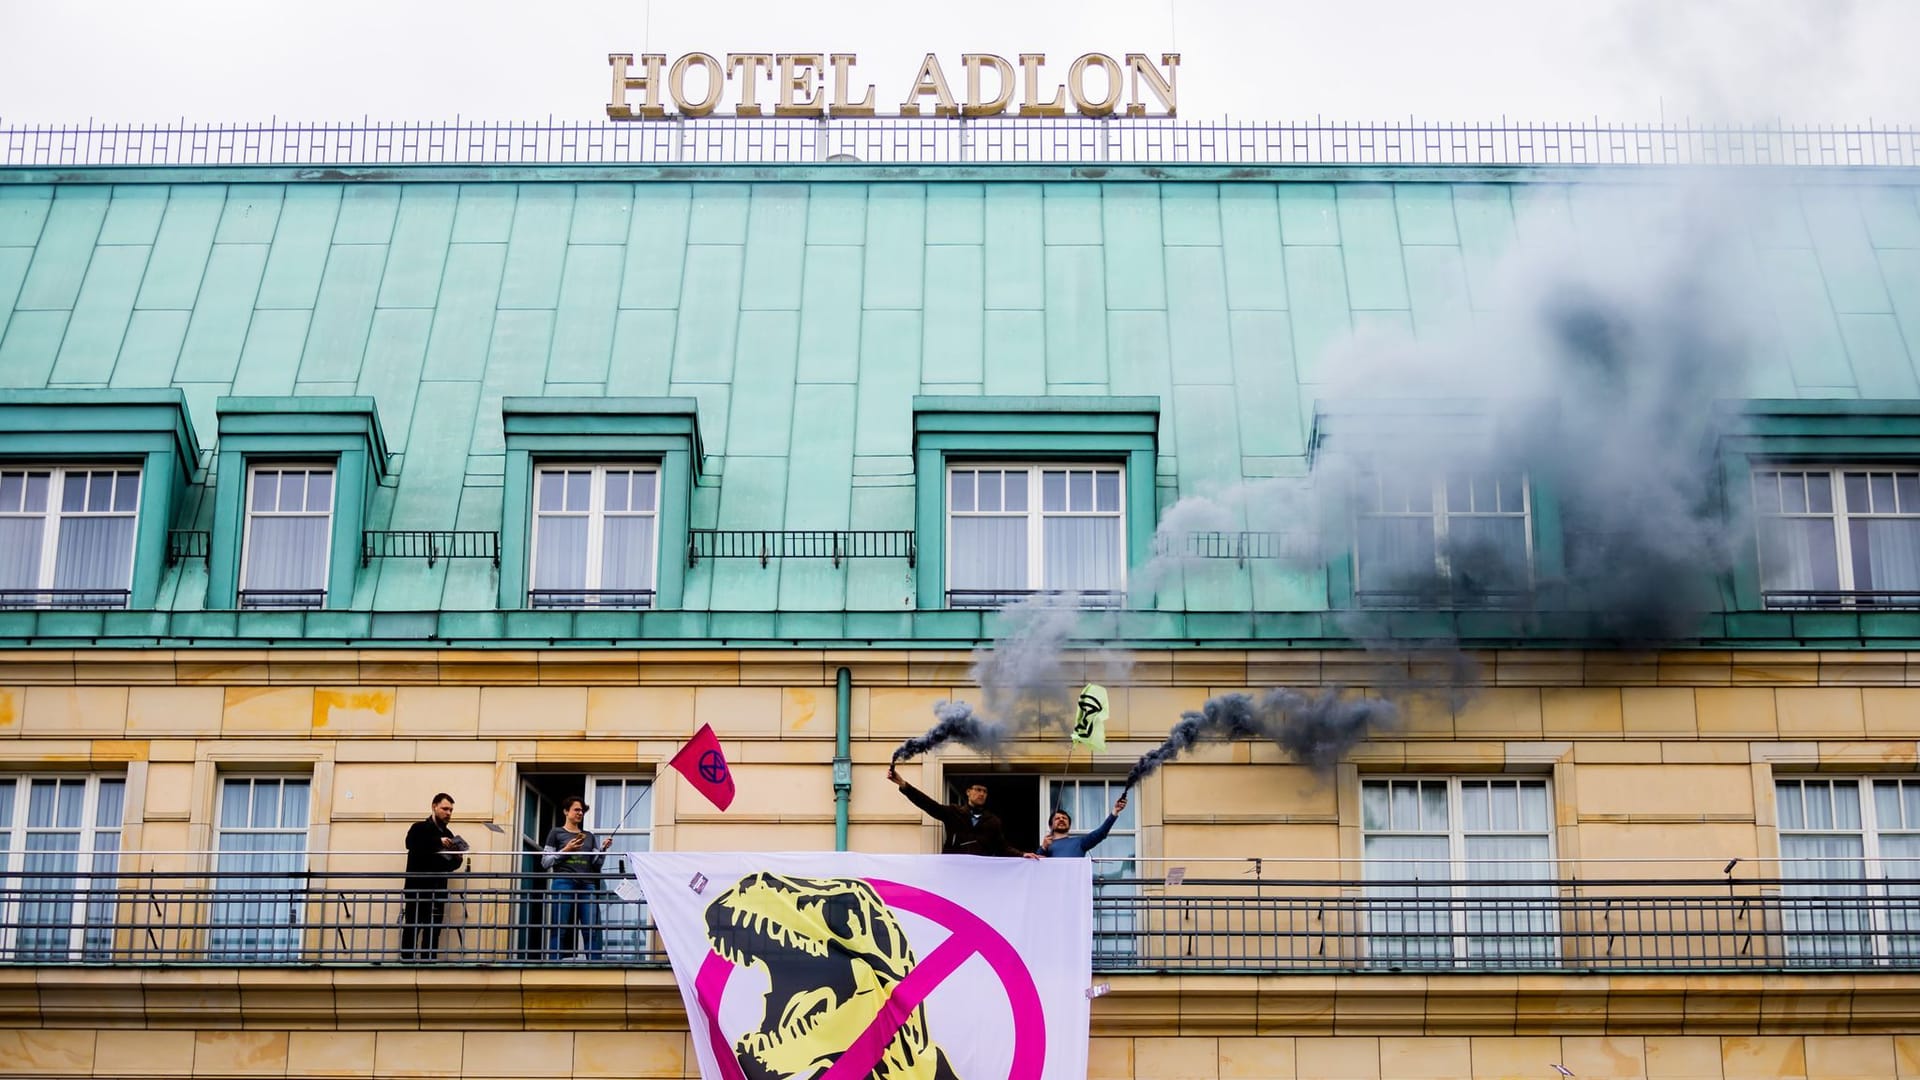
point(327, 489)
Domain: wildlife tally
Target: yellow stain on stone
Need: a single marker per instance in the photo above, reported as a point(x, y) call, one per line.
point(798, 706)
point(267, 710)
point(353, 711)
point(9, 709)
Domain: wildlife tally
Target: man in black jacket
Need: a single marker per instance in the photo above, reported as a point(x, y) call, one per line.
point(972, 829)
point(432, 854)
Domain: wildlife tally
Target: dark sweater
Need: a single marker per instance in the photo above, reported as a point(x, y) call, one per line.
point(969, 831)
point(425, 857)
point(583, 861)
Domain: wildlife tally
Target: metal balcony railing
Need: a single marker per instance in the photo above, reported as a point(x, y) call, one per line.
point(64, 599)
point(187, 544)
point(1093, 599)
point(765, 544)
point(429, 544)
point(282, 599)
point(590, 599)
point(1841, 599)
point(304, 917)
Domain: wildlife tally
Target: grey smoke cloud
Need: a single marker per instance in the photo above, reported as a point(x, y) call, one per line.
point(1314, 730)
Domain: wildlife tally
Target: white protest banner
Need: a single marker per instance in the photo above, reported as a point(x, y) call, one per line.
point(837, 965)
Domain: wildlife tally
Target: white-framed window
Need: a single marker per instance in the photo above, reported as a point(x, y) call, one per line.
point(1088, 801)
point(1460, 537)
point(1842, 535)
point(260, 852)
point(59, 853)
point(595, 536)
point(1850, 845)
point(1015, 530)
point(1475, 839)
point(289, 536)
point(66, 535)
point(622, 809)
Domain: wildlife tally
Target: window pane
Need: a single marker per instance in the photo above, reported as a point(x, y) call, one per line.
point(126, 492)
point(1433, 806)
point(266, 805)
point(108, 808)
point(1846, 804)
point(1793, 493)
point(626, 553)
point(320, 490)
point(94, 553)
point(234, 797)
point(1406, 806)
point(1373, 805)
point(266, 490)
point(553, 487)
point(288, 553)
point(1053, 490)
point(989, 491)
point(1798, 554)
point(1488, 552)
point(1080, 490)
point(1015, 495)
point(1459, 493)
point(1394, 552)
point(1882, 492)
point(73, 498)
point(614, 491)
point(1083, 554)
point(1513, 495)
point(293, 491)
point(6, 810)
point(11, 486)
point(560, 553)
point(1475, 812)
point(1886, 804)
point(645, 485)
point(1886, 553)
point(1910, 802)
point(20, 540)
point(100, 492)
point(293, 809)
point(36, 498)
point(960, 487)
point(1789, 803)
point(1907, 487)
point(1106, 491)
point(1820, 492)
point(1533, 807)
point(579, 490)
point(1819, 795)
point(988, 553)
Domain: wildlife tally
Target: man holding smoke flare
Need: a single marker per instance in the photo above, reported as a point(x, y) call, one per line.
point(972, 829)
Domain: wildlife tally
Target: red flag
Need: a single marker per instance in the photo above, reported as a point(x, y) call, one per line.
point(705, 767)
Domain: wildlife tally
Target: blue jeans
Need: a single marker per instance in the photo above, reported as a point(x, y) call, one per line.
point(575, 903)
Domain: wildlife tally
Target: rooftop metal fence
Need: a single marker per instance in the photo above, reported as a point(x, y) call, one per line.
point(260, 914)
point(992, 140)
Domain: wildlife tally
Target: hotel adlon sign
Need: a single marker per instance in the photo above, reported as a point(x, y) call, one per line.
point(826, 84)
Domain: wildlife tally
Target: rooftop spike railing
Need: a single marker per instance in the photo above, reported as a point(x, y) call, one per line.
point(905, 140)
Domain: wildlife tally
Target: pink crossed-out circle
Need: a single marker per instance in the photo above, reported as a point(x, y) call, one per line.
point(968, 935)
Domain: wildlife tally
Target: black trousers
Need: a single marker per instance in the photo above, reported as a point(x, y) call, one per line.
point(420, 918)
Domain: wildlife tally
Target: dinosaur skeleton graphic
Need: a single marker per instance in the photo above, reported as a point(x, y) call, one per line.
point(833, 953)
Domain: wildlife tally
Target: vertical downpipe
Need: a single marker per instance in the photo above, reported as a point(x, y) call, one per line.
point(842, 759)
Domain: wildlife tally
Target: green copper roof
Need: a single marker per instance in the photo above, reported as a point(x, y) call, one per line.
point(804, 316)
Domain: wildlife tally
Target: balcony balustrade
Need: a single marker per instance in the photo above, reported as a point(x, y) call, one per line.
point(303, 917)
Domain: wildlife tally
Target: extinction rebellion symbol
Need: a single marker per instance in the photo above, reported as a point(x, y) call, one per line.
point(713, 767)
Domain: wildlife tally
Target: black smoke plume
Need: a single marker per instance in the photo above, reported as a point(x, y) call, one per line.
point(957, 723)
point(1316, 730)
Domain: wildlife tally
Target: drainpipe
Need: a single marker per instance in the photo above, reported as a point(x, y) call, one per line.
point(842, 758)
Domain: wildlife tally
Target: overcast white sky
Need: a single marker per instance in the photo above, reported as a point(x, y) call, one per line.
point(1469, 60)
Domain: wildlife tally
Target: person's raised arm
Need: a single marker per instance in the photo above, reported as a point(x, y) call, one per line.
point(934, 810)
point(1099, 834)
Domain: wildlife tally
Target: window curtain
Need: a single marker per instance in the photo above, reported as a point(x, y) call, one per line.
point(1798, 555)
point(1082, 554)
point(287, 554)
point(1824, 919)
point(560, 554)
point(988, 553)
point(20, 552)
point(94, 553)
point(625, 553)
point(1407, 923)
point(623, 809)
point(1488, 552)
point(109, 813)
point(1512, 921)
point(1886, 554)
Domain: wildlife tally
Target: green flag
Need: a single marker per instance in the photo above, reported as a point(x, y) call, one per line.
point(1090, 730)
